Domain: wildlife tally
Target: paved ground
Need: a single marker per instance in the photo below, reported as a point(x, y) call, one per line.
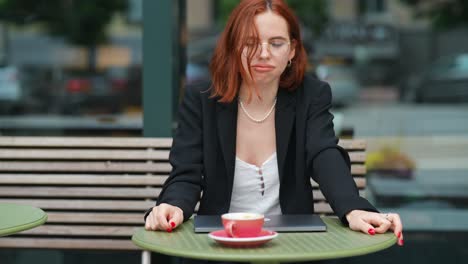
point(395, 119)
point(434, 136)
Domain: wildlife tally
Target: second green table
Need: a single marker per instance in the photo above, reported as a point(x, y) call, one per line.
point(15, 218)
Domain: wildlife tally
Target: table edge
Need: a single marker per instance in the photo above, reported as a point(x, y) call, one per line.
point(23, 227)
point(227, 257)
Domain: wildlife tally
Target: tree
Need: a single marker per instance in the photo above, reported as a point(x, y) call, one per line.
point(444, 14)
point(313, 14)
point(224, 9)
point(79, 22)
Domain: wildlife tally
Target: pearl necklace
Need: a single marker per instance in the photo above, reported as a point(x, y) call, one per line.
point(254, 119)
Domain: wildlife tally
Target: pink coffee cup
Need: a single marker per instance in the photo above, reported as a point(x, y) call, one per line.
point(243, 224)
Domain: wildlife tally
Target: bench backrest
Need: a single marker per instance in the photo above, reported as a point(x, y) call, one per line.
point(95, 190)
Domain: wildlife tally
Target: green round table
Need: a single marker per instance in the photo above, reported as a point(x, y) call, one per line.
point(337, 242)
point(16, 218)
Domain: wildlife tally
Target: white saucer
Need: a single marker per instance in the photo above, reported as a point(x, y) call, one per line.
point(223, 238)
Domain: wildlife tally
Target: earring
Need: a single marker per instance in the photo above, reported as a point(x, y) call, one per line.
point(289, 63)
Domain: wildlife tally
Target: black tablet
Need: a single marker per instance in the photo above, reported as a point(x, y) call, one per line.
point(278, 223)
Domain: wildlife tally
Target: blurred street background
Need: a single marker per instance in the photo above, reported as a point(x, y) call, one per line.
point(398, 70)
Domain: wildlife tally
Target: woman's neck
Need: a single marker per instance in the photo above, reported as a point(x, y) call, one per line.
point(265, 100)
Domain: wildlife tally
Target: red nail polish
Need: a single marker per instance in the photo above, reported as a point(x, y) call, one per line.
point(399, 234)
point(371, 231)
point(169, 230)
point(172, 224)
point(401, 242)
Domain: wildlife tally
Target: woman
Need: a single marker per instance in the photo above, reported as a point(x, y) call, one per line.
point(252, 139)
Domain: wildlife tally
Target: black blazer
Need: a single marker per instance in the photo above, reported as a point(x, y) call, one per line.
point(203, 153)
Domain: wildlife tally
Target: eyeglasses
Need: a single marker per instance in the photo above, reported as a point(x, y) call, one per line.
point(276, 47)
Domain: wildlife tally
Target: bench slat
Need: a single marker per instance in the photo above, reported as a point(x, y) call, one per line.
point(112, 142)
point(107, 167)
point(104, 180)
point(77, 192)
point(77, 230)
point(322, 208)
point(107, 180)
point(318, 195)
point(83, 154)
point(112, 154)
point(66, 243)
point(86, 179)
point(360, 182)
point(9, 154)
point(157, 167)
point(94, 218)
point(102, 142)
point(112, 205)
point(69, 204)
point(357, 157)
point(62, 192)
point(353, 144)
point(358, 169)
point(116, 142)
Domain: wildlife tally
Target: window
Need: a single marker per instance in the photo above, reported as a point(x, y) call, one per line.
point(372, 6)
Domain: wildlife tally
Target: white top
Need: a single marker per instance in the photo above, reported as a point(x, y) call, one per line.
point(256, 189)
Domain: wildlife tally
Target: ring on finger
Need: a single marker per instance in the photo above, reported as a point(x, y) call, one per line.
point(387, 216)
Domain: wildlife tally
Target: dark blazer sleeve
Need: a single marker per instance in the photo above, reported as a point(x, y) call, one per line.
point(329, 163)
point(183, 187)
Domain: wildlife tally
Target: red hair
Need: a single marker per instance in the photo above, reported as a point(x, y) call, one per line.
point(226, 67)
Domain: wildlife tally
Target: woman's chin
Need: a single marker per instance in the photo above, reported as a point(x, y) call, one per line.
point(262, 79)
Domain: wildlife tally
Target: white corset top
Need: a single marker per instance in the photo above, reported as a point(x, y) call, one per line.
point(256, 189)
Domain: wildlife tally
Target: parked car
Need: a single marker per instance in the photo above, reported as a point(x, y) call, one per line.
point(38, 88)
point(444, 81)
point(343, 82)
point(92, 93)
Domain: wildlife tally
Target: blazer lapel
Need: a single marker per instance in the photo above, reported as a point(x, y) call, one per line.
point(284, 121)
point(227, 131)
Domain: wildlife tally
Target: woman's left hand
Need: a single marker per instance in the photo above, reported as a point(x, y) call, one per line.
point(372, 223)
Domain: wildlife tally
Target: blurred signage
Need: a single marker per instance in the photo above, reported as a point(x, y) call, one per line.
point(352, 40)
point(360, 33)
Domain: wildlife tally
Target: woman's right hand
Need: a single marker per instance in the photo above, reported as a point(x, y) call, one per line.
point(164, 217)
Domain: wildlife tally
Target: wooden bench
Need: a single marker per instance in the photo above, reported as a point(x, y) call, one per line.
point(95, 190)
